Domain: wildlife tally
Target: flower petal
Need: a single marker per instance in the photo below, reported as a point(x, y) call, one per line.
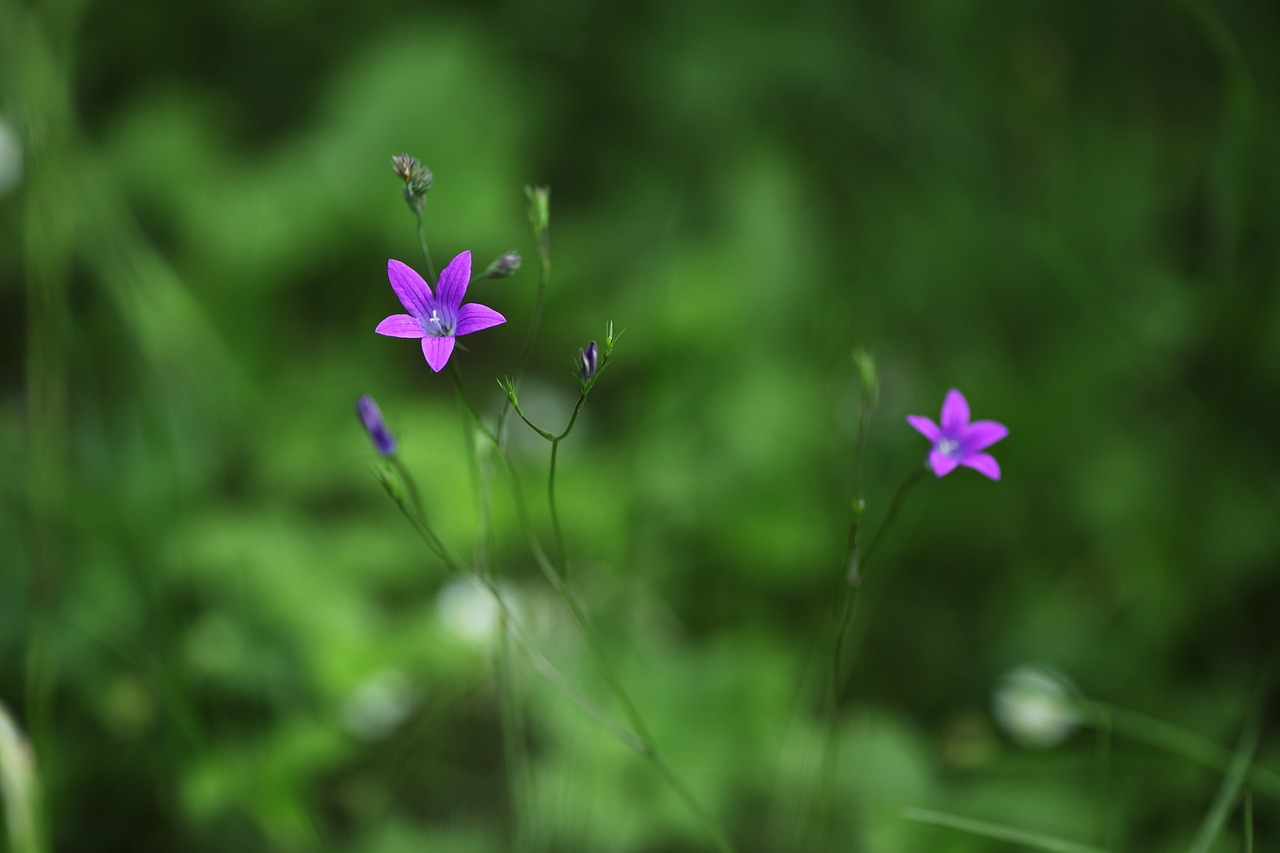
point(473, 317)
point(983, 463)
point(400, 326)
point(452, 284)
point(925, 426)
point(955, 412)
point(983, 434)
point(413, 292)
point(437, 351)
point(941, 463)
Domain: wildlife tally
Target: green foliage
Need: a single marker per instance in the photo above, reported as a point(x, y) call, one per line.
point(218, 632)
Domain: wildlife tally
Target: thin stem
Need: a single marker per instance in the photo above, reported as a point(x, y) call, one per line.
point(426, 251)
point(721, 840)
point(513, 739)
point(539, 662)
point(857, 564)
point(1179, 741)
point(1104, 786)
point(1229, 790)
point(535, 319)
point(561, 552)
point(1248, 822)
point(644, 745)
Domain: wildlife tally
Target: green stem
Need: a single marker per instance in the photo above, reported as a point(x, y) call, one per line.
point(535, 319)
point(513, 737)
point(561, 552)
point(643, 744)
point(853, 580)
point(1189, 745)
point(539, 662)
point(426, 252)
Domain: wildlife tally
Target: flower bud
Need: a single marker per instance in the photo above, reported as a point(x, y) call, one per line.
point(865, 364)
point(539, 208)
point(417, 180)
point(383, 441)
point(504, 266)
point(588, 362)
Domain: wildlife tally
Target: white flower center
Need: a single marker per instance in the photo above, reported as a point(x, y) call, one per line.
point(948, 446)
point(436, 326)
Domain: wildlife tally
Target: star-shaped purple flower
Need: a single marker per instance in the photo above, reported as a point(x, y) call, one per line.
point(957, 441)
point(439, 318)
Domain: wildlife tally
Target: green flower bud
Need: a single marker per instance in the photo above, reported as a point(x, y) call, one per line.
point(417, 180)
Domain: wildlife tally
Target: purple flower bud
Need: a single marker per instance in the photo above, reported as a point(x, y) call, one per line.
point(587, 362)
point(383, 441)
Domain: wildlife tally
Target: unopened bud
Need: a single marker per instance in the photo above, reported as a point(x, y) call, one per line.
point(539, 208)
point(588, 362)
point(865, 364)
point(383, 441)
point(504, 266)
point(417, 180)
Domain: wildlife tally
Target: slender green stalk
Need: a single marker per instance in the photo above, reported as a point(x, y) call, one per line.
point(1188, 745)
point(555, 577)
point(1248, 822)
point(1229, 790)
point(519, 783)
point(543, 238)
point(426, 251)
point(561, 552)
point(539, 662)
point(1000, 832)
point(1104, 776)
point(857, 564)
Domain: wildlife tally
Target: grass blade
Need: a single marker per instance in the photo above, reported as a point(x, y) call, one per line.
point(1000, 832)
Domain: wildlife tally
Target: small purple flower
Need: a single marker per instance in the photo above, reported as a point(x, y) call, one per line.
point(957, 441)
point(371, 416)
point(440, 318)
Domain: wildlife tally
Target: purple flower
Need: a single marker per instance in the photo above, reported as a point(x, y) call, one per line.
point(440, 318)
point(371, 416)
point(957, 441)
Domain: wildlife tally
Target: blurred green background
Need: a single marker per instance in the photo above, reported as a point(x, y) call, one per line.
point(219, 633)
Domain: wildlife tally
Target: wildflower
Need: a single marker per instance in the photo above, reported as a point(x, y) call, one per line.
point(438, 318)
point(956, 441)
point(383, 441)
point(588, 362)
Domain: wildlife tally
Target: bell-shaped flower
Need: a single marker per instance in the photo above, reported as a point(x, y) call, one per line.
point(956, 441)
point(436, 318)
